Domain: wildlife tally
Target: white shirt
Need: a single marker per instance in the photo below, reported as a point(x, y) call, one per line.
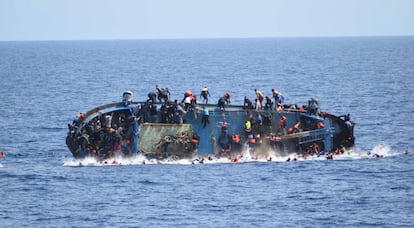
point(187, 100)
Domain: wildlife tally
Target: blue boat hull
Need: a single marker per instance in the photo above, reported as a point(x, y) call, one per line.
point(132, 130)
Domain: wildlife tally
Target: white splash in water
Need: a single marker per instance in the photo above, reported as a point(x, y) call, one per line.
point(381, 150)
point(246, 155)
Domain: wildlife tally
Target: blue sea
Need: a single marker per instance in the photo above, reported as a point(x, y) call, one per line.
point(45, 83)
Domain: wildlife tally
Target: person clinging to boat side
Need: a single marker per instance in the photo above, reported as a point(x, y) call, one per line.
point(282, 125)
point(225, 139)
point(206, 117)
point(247, 128)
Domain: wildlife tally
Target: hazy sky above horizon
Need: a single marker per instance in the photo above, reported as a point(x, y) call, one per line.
point(159, 19)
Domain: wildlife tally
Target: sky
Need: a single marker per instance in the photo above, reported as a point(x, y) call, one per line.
point(172, 19)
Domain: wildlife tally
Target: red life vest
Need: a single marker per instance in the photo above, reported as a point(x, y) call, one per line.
point(282, 121)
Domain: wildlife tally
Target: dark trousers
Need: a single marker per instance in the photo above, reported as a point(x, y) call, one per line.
point(205, 120)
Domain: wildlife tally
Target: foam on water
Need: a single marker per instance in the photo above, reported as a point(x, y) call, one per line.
point(378, 151)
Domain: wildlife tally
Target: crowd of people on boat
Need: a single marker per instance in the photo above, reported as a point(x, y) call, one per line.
point(190, 99)
point(103, 137)
point(172, 111)
point(275, 101)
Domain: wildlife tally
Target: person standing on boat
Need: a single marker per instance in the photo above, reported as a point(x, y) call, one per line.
point(247, 103)
point(163, 94)
point(260, 98)
point(188, 100)
point(204, 94)
point(313, 106)
point(278, 97)
point(152, 97)
point(227, 97)
point(187, 93)
point(223, 100)
point(269, 103)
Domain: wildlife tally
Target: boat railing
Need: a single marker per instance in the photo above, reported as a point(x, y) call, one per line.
point(312, 136)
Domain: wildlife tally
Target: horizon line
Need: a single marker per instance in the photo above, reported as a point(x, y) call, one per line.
point(208, 38)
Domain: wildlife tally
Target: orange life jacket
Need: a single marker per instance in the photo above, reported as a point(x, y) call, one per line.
point(236, 138)
point(297, 126)
point(189, 93)
point(321, 125)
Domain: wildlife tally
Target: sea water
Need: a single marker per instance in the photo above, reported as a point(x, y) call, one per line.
point(44, 84)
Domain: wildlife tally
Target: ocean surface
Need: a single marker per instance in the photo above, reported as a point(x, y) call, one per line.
point(44, 84)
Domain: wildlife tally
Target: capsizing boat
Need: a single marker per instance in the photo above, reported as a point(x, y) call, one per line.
point(168, 129)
